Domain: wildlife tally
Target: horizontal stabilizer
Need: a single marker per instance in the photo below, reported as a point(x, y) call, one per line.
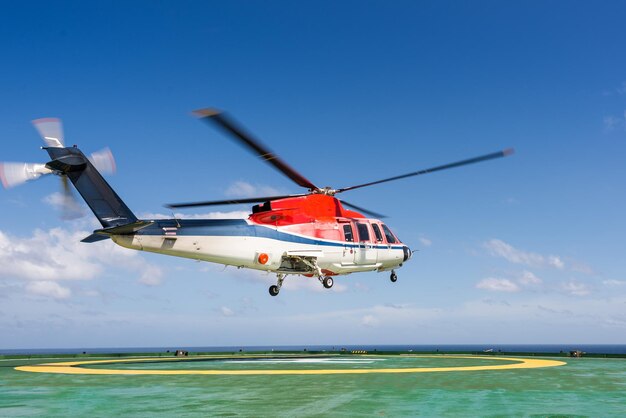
point(126, 229)
point(105, 233)
point(94, 238)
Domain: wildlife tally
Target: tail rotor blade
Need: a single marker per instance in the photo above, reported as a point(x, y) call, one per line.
point(14, 174)
point(51, 131)
point(70, 208)
point(103, 161)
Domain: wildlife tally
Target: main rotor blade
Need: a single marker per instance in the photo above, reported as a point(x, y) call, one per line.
point(365, 211)
point(230, 126)
point(231, 201)
point(486, 157)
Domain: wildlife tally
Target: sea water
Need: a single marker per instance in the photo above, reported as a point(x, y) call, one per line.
point(510, 348)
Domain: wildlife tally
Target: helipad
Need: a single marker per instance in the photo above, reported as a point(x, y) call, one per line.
point(313, 384)
point(469, 365)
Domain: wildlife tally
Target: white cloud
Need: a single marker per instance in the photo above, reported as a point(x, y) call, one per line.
point(614, 282)
point(245, 189)
point(69, 207)
point(390, 314)
point(226, 311)
point(493, 302)
point(369, 321)
point(611, 122)
point(49, 289)
point(54, 255)
point(620, 90)
point(580, 267)
point(575, 288)
point(425, 241)
point(499, 248)
point(529, 278)
point(151, 276)
point(497, 285)
point(555, 261)
point(397, 305)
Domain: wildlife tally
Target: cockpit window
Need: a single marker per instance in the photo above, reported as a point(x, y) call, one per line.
point(379, 236)
point(347, 233)
point(364, 233)
point(390, 238)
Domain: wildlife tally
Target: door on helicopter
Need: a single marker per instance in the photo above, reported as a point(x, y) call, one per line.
point(347, 229)
point(366, 252)
point(382, 250)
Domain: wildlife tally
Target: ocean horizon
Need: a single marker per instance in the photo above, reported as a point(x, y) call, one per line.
point(534, 348)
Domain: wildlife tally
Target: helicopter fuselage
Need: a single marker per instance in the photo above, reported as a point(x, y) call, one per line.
point(280, 249)
point(311, 235)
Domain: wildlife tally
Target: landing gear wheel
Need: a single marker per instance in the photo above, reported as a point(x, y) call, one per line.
point(328, 282)
point(274, 290)
point(393, 277)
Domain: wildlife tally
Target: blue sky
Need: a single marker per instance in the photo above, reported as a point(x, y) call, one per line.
point(527, 249)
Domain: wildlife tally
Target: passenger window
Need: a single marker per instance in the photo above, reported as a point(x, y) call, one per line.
point(364, 233)
point(390, 238)
point(347, 233)
point(379, 236)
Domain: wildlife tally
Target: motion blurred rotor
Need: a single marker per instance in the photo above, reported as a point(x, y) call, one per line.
point(51, 131)
point(235, 131)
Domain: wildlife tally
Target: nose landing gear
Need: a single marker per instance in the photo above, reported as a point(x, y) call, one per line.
point(393, 277)
point(275, 288)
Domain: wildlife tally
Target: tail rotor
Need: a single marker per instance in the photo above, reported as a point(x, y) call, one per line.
point(51, 132)
point(69, 206)
point(14, 174)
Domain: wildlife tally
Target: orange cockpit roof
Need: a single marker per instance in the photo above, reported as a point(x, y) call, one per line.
point(295, 210)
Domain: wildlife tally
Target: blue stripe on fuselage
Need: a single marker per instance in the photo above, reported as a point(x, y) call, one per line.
point(240, 228)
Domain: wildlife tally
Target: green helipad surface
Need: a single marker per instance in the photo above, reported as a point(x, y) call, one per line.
point(314, 385)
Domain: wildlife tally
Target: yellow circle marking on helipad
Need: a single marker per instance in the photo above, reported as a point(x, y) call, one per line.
point(73, 367)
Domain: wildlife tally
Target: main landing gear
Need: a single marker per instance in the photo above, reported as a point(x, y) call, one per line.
point(327, 281)
point(393, 277)
point(274, 289)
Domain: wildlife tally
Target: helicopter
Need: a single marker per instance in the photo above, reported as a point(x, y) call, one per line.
point(313, 234)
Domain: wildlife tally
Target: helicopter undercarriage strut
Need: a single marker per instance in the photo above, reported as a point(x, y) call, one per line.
point(327, 281)
point(296, 264)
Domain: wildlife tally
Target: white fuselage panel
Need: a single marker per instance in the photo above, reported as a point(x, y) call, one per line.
point(244, 251)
